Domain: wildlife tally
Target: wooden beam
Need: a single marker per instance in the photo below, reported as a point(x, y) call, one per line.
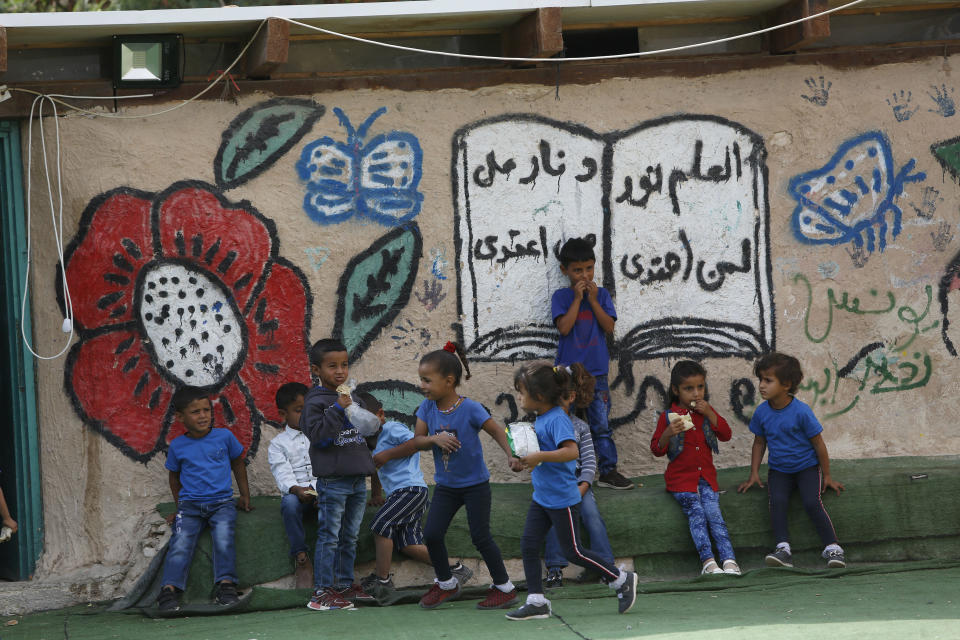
point(583, 74)
point(537, 35)
point(269, 50)
point(799, 36)
point(3, 50)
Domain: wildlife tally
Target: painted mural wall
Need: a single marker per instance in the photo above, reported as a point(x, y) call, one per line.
point(812, 211)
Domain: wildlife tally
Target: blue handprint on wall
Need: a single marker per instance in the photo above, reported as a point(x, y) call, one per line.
point(375, 179)
point(901, 106)
point(946, 107)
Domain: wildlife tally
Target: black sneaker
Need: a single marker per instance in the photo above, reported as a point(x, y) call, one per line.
point(779, 558)
point(627, 593)
point(554, 578)
point(835, 559)
point(614, 480)
point(530, 612)
point(227, 593)
point(462, 572)
point(169, 599)
point(371, 582)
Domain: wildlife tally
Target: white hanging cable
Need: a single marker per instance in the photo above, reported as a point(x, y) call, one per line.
point(57, 227)
point(55, 97)
point(580, 59)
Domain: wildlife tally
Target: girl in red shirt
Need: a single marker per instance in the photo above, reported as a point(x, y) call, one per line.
point(691, 476)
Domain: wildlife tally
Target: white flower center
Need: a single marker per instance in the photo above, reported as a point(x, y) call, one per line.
point(194, 327)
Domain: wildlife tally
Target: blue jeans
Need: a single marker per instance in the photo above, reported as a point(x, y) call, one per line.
point(292, 511)
point(340, 504)
point(596, 528)
point(598, 417)
point(192, 516)
point(703, 510)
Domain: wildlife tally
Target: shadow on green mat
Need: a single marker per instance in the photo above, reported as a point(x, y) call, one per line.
point(915, 600)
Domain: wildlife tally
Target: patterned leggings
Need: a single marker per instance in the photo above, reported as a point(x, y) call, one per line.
point(703, 510)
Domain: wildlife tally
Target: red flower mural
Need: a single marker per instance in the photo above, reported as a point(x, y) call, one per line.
point(180, 288)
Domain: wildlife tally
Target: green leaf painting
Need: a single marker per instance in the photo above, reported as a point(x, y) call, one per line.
point(375, 287)
point(399, 399)
point(947, 154)
point(260, 136)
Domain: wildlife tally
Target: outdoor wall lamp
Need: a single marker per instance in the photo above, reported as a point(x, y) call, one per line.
point(147, 61)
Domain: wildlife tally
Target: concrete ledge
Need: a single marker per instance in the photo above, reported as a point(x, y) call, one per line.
point(893, 510)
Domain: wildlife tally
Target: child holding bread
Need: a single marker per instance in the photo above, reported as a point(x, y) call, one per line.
point(687, 433)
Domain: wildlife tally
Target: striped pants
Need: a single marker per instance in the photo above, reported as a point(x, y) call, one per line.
point(401, 517)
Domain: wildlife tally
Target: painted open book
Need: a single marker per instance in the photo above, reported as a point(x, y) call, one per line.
point(678, 211)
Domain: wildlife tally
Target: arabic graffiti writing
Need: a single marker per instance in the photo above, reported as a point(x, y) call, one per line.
point(676, 209)
point(876, 304)
point(375, 179)
point(853, 197)
point(877, 369)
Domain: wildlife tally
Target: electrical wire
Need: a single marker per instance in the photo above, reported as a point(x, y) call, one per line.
point(55, 97)
point(57, 228)
point(636, 54)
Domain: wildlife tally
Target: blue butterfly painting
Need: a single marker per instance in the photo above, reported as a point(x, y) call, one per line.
point(375, 179)
point(852, 198)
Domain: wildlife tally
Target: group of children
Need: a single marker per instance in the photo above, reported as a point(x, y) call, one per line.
point(334, 438)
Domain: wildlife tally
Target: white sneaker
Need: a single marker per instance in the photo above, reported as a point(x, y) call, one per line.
point(730, 567)
point(711, 566)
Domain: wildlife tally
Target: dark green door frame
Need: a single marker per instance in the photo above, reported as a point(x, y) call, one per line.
point(21, 445)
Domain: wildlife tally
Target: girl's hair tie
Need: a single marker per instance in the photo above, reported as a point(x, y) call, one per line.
point(568, 370)
point(452, 348)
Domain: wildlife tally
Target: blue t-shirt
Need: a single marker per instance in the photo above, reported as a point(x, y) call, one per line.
point(204, 464)
point(788, 432)
point(555, 483)
point(464, 467)
point(398, 473)
point(586, 341)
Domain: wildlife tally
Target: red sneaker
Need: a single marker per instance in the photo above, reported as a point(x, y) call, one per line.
point(497, 599)
point(355, 593)
point(327, 599)
point(437, 596)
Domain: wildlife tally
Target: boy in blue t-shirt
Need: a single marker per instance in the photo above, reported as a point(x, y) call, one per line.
point(584, 314)
point(398, 524)
point(200, 462)
point(798, 458)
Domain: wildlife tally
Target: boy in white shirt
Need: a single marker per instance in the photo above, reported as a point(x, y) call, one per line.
point(289, 457)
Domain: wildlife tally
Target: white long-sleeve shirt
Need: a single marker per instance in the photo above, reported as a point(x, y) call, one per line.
point(289, 457)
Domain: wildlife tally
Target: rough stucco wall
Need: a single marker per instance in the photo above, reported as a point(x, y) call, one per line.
point(865, 320)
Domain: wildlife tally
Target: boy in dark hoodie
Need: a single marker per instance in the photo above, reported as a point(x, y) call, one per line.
point(341, 460)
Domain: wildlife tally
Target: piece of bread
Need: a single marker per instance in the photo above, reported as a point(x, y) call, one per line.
point(687, 419)
point(344, 390)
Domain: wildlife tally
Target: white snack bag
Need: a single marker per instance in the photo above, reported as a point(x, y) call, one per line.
point(522, 438)
point(366, 423)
